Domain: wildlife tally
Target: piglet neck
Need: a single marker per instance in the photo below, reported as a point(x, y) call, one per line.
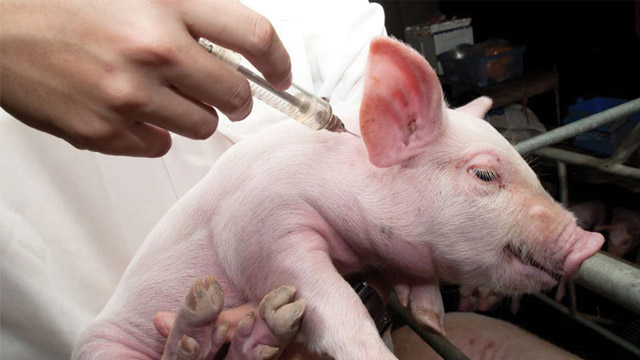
point(378, 228)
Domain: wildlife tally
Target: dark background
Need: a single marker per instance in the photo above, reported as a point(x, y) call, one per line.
point(592, 44)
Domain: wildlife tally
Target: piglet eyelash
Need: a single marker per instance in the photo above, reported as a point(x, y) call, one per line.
point(484, 175)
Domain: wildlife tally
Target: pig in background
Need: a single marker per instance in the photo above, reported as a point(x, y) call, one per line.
point(589, 214)
point(480, 337)
point(623, 232)
point(428, 195)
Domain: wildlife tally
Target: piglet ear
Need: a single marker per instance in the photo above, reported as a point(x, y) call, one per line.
point(402, 103)
point(478, 107)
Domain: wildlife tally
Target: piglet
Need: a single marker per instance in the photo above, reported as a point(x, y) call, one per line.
point(624, 231)
point(484, 299)
point(428, 195)
point(589, 214)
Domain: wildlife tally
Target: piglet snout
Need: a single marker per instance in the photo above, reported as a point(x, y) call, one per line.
point(587, 244)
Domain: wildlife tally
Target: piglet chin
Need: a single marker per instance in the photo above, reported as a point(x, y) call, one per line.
point(587, 245)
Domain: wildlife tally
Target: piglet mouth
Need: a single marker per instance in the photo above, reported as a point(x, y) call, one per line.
point(523, 259)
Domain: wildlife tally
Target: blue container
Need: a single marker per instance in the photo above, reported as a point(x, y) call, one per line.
point(606, 138)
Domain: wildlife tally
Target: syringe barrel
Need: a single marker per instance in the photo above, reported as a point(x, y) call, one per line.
point(295, 102)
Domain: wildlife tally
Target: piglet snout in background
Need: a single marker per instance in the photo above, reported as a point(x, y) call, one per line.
point(428, 195)
point(624, 231)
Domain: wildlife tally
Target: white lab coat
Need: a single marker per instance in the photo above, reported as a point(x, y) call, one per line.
point(71, 220)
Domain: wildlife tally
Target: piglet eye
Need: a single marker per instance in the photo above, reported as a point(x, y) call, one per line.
point(484, 174)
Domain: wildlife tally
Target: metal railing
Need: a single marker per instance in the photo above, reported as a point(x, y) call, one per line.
point(570, 130)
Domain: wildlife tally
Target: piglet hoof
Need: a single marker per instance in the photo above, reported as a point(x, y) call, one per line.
point(203, 302)
point(281, 314)
point(432, 319)
point(194, 327)
point(188, 349)
point(263, 336)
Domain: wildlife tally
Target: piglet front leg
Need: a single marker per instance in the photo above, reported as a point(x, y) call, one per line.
point(336, 322)
point(425, 303)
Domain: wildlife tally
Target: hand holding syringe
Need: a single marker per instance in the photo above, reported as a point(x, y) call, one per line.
point(294, 102)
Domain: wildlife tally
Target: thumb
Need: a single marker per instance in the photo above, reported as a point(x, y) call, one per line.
point(163, 321)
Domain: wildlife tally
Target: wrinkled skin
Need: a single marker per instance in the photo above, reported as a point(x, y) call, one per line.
point(429, 194)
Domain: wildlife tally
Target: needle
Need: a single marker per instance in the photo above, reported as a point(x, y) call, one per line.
point(349, 132)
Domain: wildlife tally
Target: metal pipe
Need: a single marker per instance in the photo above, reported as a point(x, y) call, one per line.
point(570, 130)
point(564, 183)
point(615, 279)
point(630, 347)
point(438, 343)
point(574, 158)
point(627, 147)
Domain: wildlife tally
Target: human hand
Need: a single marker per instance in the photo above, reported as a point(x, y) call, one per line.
point(238, 326)
point(163, 322)
point(116, 76)
point(265, 331)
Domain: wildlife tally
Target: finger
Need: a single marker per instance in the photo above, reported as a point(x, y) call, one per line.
point(180, 114)
point(202, 76)
point(138, 139)
point(233, 317)
point(163, 321)
point(234, 26)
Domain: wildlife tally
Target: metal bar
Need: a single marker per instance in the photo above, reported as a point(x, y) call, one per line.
point(630, 347)
point(615, 279)
point(627, 147)
point(586, 160)
point(570, 130)
point(440, 344)
point(564, 183)
point(557, 103)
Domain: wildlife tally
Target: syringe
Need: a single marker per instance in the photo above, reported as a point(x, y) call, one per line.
point(294, 102)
